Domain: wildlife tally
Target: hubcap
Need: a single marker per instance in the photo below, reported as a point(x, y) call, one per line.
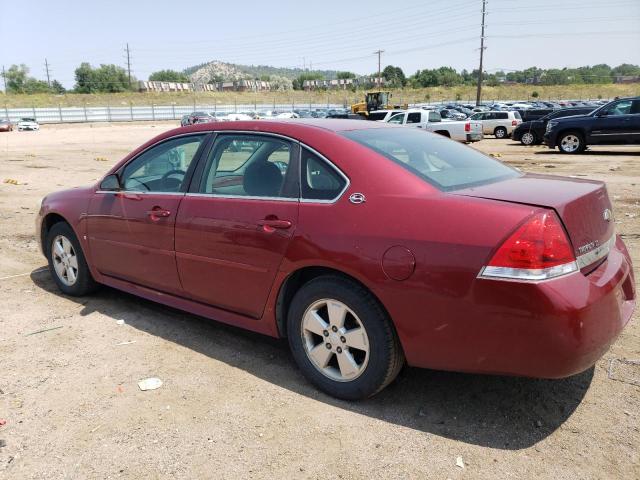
point(335, 340)
point(527, 138)
point(570, 143)
point(65, 261)
point(499, 133)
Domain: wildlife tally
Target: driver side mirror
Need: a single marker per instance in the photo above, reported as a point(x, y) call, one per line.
point(110, 183)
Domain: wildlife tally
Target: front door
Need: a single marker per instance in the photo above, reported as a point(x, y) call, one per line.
point(235, 225)
point(613, 125)
point(131, 231)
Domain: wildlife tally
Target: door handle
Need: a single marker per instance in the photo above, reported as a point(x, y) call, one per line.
point(157, 212)
point(271, 224)
point(128, 196)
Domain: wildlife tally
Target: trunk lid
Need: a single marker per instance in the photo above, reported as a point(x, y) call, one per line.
point(582, 205)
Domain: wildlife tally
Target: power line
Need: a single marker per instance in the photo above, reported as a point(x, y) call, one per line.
point(482, 47)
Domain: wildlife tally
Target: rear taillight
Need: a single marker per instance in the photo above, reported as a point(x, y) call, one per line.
point(514, 123)
point(538, 250)
point(467, 127)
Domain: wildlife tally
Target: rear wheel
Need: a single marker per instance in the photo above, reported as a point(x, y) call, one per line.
point(342, 339)
point(67, 263)
point(528, 138)
point(500, 132)
point(571, 142)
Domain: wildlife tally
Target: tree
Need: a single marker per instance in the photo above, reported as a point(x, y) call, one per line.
point(16, 78)
point(106, 78)
point(280, 83)
point(394, 76)
point(57, 87)
point(298, 83)
point(169, 76)
point(345, 75)
point(535, 94)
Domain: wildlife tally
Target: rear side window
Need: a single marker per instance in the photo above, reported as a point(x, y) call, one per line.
point(516, 115)
point(439, 161)
point(414, 117)
point(434, 117)
point(320, 181)
point(504, 115)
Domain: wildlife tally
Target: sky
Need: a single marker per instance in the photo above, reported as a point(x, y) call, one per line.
point(324, 34)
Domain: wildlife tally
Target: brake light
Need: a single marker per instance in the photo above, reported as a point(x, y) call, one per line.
point(514, 123)
point(467, 127)
point(538, 250)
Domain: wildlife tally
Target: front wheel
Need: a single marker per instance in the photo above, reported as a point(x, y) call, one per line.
point(528, 138)
point(500, 132)
point(571, 142)
point(342, 339)
point(67, 263)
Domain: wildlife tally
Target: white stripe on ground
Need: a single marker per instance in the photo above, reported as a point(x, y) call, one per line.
point(24, 274)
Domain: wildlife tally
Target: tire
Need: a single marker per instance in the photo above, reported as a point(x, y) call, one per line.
point(528, 139)
point(571, 142)
point(67, 263)
point(500, 132)
point(345, 362)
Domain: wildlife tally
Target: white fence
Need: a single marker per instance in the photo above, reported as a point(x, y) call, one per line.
point(152, 112)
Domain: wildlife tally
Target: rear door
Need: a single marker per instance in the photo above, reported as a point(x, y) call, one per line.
point(235, 224)
point(131, 231)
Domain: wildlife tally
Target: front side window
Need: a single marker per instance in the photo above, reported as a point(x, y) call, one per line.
point(445, 164)
point(397, 118)
point(621, 108)
point(163, 167)
point(248, 166)
point(320, 181)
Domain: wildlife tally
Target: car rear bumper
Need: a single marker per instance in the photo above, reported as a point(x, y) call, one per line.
point(550, 329)
point(474, 137)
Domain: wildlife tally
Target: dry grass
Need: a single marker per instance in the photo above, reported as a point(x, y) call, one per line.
point(435, 94)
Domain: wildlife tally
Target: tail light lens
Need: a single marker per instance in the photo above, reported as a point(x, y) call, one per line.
point(538, 250)
point(467, 127)
point(514, 123)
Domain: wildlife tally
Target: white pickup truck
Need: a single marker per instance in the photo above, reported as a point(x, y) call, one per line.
point(431, 121)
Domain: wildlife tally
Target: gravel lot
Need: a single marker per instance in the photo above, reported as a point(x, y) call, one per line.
point(233, 405)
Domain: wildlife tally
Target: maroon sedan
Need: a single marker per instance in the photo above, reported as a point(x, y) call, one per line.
point(367, 245)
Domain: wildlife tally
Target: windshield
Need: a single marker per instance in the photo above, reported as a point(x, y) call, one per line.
point(446, 164)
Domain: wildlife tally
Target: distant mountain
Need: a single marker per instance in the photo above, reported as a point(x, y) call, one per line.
point(221, 71)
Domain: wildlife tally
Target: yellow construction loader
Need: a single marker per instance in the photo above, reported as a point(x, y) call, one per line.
point(375, 101)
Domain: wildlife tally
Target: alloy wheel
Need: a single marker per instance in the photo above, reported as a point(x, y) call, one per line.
point(335, 340)
point(527, 138)
point(570, 143)
point(65, 260)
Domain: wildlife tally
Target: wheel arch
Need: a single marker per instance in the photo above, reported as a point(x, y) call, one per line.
point(444, 133)
point(297, 279)
point(47, 224)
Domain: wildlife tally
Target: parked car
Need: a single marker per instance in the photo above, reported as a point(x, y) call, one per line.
point(28, 124)
point(617, 122)
point(431, 121)
point(382, 115)
point(448, 114)
point(184, 121)
point(6, 126)
point(200, 117)
point(532, 132)
point(500, 124)
point(534, 282)
point(534, 113)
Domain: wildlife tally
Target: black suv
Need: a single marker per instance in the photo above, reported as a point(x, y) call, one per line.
point(617, 122)
point(531, 132)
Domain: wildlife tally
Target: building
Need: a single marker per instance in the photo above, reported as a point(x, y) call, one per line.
point(342, 83)
point(235, 86)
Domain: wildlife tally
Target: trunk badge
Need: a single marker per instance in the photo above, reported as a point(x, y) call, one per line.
point(357, 198)
point(607, 215)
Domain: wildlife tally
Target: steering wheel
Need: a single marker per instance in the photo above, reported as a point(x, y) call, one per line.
point(166, 176)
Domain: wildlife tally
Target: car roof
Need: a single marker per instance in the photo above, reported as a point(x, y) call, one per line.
point(287, 125)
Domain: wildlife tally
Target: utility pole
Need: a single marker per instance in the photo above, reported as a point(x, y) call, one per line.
point(4, 80)
point(128, 63)
point(46, 66)
point(379, 80)
point(482, 47)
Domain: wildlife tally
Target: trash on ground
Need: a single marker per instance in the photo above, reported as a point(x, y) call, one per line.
point(125, 343)
point(100, 159)
point(11, 181)
point(2, 422)
point(119, 322)
point(3, 443)
point(626, 371)
point(43, 330)
point(459, 462)
point(149, 383)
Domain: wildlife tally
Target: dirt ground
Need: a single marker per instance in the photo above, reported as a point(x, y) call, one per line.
point(233, 404)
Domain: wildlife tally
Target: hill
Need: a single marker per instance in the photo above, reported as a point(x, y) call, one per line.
point(221, 71)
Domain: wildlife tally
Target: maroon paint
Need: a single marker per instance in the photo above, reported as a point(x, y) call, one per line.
point(232, 268)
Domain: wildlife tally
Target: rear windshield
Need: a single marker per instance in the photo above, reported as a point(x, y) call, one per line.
point(446, 164)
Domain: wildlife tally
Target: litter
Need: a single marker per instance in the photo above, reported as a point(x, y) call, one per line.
point(149, 383)
point(43, 330)
point(459, 462)
point(125, 343)
point(11, 181)
point(119, 322)
point(2, 422)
